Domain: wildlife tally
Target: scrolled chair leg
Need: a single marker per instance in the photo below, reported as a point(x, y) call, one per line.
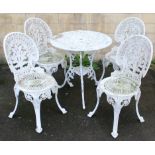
point(117, 109)
point(137, 97)
point(36, 104)
point(63, 110)
point(16, 91)
point(117, 103)
point(91, 113)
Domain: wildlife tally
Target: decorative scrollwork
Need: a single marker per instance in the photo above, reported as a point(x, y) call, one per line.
point(45, 95)
point(129, 27)
point(21, 52)
point(110, 100)
point(125, 102)
point(91, 74)
point(122, 101)
point(37, 29)
point(40, 96)
point(70, 74)
point(29, 97)
point(135, 55)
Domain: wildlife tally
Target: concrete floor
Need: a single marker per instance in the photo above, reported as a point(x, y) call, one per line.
point(75, 125)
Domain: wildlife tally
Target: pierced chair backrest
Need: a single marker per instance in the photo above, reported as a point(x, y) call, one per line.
point(136, 54)
point(39, 31)
point(128, 27)
point(21, 53)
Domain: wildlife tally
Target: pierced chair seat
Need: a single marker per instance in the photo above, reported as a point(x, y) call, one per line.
point(51, 58)
point(118, 86)
point(36, 82)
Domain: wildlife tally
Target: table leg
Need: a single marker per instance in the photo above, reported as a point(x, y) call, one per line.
point(82, 82)
point(91, 73)
point(70, 72)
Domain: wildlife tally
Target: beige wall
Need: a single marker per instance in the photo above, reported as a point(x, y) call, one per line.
point(64, 22)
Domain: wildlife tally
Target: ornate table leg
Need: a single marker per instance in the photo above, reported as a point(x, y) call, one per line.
point(82, 82)
point(70, 72)
point(91, 73)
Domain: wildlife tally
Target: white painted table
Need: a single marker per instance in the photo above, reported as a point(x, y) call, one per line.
point(81, 41)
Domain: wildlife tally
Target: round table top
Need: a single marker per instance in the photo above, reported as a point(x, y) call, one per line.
point(81, 40)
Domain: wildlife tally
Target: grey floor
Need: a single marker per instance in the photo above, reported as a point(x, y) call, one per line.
point(75, 125)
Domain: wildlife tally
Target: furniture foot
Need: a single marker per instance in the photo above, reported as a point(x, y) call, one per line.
point(114, 134)
point(16, 91)
point(63, 110)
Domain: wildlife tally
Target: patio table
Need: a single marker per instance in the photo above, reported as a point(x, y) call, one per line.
point(79, 42)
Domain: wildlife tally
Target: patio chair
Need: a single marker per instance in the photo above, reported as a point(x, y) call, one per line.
point(128, 27)
point(49, 57)
point(21, 52)
point(136, 54)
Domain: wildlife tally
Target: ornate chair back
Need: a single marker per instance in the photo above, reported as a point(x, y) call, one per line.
point(128, 27)
point(136, 54)
point(21, 53)
point(39, 31)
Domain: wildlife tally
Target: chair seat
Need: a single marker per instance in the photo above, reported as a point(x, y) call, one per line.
point(36, 82)
point(118, 86)
point(50, 58)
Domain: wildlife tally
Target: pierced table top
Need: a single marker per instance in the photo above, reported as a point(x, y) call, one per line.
point(81, 40)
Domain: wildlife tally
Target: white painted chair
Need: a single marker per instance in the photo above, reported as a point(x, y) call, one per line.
point(136, 55)
point(21, 52)
point(127, 28)
point(49, 58)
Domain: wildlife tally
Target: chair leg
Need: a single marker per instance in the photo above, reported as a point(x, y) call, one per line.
point(36, 104)
point(91, 113)
point(16, 91)
point(117, 109)
point(137, 97)
point(63, 110)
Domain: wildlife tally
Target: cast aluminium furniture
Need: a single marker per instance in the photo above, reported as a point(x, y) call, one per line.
point(79, 42)
point(127, 27)
point(49, 58)
point(21, 52)
point(125, 84)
